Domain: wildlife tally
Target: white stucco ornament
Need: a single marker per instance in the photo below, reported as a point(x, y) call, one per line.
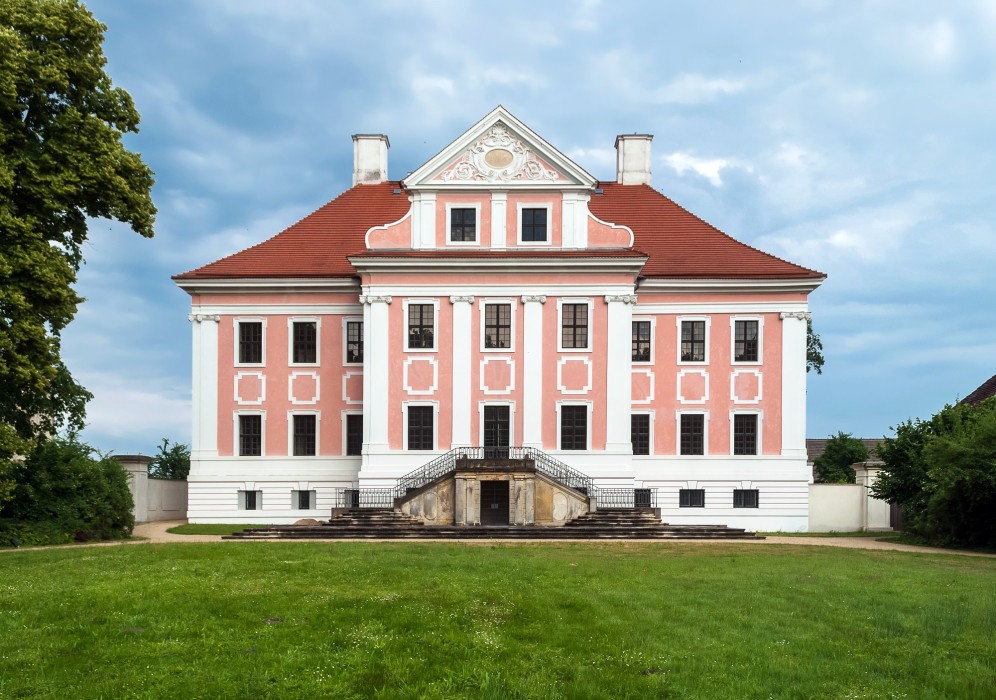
point(498, 156)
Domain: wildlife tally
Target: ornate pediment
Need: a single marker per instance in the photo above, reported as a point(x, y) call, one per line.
point(499, 156)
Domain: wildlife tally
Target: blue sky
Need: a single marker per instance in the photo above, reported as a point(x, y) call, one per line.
point(855, 138)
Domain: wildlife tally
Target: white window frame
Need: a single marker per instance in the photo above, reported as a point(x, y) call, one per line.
point(435, 324)
point(760, 340)
point(591, 410)
point(242, 499)
point(476, 206)
point(760, 425)
point(549, 223)
point(236, 322)
point(290, 433)
point(312, 500)
point(481, 312)
point(290, 340)
point(345, 337)
point(650, 432)
point(560, 323)
point(705, 433)
point(653, 340)
point(511, 420)
point(345, 433)
point(435, 425)
point(236, 452)
point(708, 343)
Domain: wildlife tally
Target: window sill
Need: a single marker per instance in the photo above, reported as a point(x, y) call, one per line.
point(422, 350)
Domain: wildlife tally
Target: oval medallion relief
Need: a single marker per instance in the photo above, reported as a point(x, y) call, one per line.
point(498, 158)
point(559, 507)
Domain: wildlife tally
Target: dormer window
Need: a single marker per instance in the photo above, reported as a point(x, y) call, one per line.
point(463, 225)
point(534, 224)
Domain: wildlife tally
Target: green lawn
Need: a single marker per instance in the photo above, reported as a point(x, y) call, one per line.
point(407, 620)
point(209, 529)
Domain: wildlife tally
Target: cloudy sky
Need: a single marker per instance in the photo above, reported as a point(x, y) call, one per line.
point(856, 138)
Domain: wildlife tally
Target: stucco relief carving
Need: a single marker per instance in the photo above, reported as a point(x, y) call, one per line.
point(369, 299)
point(798, 315)
point(538, 298)
point(199, 318)
point(622, 298)
point(499, 156)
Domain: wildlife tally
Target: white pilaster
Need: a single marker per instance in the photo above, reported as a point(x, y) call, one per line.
point(463, 337)
point(499, 219)
point(204, 430)
point(794, 383)
point(619, 372)
point(375, 373)
point(574, 224)
point(424, 221)
point(532, 371)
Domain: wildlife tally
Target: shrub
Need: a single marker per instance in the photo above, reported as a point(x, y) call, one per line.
point(834, 465)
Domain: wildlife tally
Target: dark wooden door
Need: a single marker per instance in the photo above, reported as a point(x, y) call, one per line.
point(494, 503)
point(496, 430)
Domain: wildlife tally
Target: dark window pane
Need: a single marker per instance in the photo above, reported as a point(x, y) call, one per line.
point(497, 325)
point(573, 427)
point(534, 225)
point(744, 434)
point(304, 436)
point(420, 326)
point(305, 342)
point(745, 341)
point(250, 436)
point(692, 434)
point(252, 502)
point(420, 428)
point(640, 433)
point(354, 434)
point(354, 341)
point(745, 498)
point(641, 341)
point(691, 498)
point(574, 331)
point(304, 500)
point(693, 341)
point(463, 224)
point(251, 342)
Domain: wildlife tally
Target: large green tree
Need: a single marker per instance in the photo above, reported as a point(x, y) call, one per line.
point(834, 465)
point(62, 161)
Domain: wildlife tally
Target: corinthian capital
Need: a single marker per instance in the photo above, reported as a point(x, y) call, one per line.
point(798, 315)
point(370, 299)
point(526, 298)
point(623, 298)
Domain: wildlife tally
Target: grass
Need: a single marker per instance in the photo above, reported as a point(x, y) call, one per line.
point(859, 533)
point(428, 620)
point(209, 529)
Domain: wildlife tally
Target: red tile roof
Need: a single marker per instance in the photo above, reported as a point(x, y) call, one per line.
point(986, 391)
point(679, 244)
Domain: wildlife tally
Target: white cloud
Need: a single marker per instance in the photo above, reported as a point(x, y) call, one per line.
point(689, 89)
point(128, 415)
point(709, 168)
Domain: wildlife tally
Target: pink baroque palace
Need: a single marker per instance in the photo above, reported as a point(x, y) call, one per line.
point(500, 338)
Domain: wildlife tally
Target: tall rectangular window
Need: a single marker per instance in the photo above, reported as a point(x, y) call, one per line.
point(354, 342)
point(463, 225)
point(534, 225)
point(574, 328)
point(304, 435)
point(305, 342)
point(691, 498)
point(420, 428)
point(692, 434)
point(573, 427)
point(745, 341)
point(354, 433)
point(497, 325)
point(641, 341)
point(420, 326)
point(250, 436)
point(744, 434)
point(250, 342)
point(640, 433)
point(745, 498)
point(693, 341)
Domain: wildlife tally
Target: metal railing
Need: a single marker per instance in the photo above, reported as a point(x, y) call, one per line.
point(626, 498)
point(363, 498)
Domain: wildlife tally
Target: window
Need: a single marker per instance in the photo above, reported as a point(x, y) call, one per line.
point(250, 342)
point(420, 327)
point(744, 434)
point(354, 433)
point(497, 325)
point(303, 500)
point(745, 498)
point(354, 342)
point(574, 326)
point(534, 224)
point(463, 225)
point(745, 335)
point(250, 500)
point(250, 435)
point(693, 341)
point(304, 342)
point(420, 427)
point(691, 498)
point(640, 433)
point(641, 341)
point(692, 434)
point(573, 427)
point(304, 435)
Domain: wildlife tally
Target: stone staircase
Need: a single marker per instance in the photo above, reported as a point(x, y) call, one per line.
point(388, 524)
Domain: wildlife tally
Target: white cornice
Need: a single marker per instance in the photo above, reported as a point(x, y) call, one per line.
point(266, 284)
point(506, 265)
point(672, 286)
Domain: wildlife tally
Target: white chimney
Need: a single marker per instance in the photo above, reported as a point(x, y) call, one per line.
point(370, 158)
point(633, 159)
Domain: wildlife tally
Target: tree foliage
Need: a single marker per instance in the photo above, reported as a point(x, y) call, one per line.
point(172, 462)
point(62, 161)
point(814, 349)
point(834, 465)
point(942, 472)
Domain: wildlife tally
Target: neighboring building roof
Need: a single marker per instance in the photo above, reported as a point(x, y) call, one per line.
point(816, 447)
point(985, 391)
point(679, 244)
